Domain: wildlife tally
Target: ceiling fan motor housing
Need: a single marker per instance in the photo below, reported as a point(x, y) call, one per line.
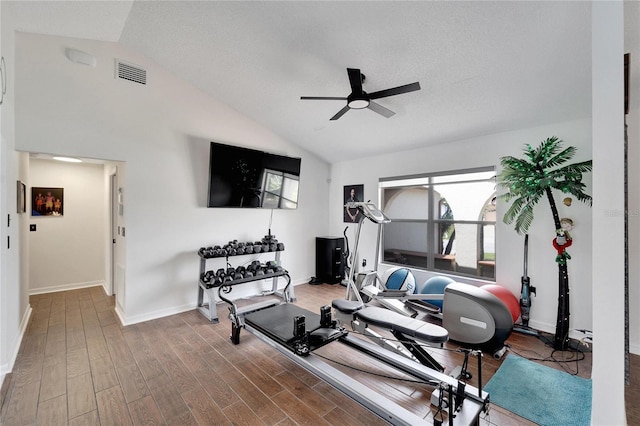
point(358, 100)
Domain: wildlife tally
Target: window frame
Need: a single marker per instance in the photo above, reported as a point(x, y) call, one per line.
point(432, 222)
point(285, 176)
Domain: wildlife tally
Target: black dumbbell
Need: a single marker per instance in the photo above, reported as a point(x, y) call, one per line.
point(220, 272)
point(248, 249)
point(207, 276)
point(247, 274)
point(217, 282)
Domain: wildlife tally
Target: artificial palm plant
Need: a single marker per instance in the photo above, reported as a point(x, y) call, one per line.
point(526, 182)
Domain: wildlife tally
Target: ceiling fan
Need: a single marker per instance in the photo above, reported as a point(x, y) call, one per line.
point(359, 99)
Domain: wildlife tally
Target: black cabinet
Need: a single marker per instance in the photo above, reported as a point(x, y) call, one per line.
point(329, 259)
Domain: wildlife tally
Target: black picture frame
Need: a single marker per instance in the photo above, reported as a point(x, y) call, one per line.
point(352, 193)
point(21, 201)
point(47, 201)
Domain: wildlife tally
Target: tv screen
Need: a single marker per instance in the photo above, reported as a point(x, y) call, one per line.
point(244, 177)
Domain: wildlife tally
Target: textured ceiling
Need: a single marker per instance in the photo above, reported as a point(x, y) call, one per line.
point(484, 67)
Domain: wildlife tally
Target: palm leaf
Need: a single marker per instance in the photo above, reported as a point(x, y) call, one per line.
point(524, 220)
point(514, 210)
point(561, 157)
point(547, 149)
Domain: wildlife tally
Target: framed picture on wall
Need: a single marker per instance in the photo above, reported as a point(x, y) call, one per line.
point(352, 193)
point(22, 197)
point(47, 201)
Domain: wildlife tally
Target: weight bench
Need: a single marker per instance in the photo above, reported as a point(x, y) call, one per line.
point(411, 334)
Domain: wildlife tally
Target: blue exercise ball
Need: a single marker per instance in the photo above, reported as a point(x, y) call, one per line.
point(435, 285)
point(398, 278)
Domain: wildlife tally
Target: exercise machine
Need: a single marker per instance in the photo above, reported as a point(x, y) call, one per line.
point(474, 317)
point(297, 333)
point(369, 283)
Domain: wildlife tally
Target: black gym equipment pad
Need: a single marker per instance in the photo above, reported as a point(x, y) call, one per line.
point(294, 327)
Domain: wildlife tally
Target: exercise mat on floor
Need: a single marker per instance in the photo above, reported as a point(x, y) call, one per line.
point(540, 393)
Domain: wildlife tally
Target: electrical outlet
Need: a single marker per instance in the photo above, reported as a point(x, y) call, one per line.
point(32, 227)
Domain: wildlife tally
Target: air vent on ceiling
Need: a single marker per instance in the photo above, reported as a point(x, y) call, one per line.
point(130, 72)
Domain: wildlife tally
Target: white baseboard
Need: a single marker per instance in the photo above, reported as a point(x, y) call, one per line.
point(634, 349)
point(153, 315)
point(65, 287)
point(120, 315)
point(8, 366)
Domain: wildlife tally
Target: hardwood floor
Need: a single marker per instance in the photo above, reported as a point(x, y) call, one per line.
point(78, 366)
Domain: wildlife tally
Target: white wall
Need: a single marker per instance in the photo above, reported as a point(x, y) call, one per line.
point(608, 213)
point(632, 46)
point(14, 303)
point(481, 152)
point(68, 251)
point(162, 132)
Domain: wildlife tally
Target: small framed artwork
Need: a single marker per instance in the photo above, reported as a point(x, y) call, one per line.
point(352, 193)
point(22, 197)
point(47, 201)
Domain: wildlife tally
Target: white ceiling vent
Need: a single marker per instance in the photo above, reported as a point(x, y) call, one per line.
point(130, 72)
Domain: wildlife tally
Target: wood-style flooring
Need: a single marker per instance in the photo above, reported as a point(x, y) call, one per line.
point(78, 365)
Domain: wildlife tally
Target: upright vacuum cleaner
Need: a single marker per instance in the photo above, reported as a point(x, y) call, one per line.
point(526, 290)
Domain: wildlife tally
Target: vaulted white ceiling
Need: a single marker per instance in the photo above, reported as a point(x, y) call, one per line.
point(484, 67)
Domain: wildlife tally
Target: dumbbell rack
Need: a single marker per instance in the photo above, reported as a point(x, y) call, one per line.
point(209, 309)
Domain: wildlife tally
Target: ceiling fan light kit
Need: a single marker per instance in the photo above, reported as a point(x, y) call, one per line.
point(358, 103)
point(359, 99)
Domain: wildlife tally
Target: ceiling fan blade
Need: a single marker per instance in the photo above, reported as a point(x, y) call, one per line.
point(340, 113)
point(355, 79)
point(395, 91)
point(380, 109)
point(322, 98)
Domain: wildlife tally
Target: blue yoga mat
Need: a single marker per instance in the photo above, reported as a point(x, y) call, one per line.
point(541, 394)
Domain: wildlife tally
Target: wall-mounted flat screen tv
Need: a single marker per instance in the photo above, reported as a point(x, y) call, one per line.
point(244, 177)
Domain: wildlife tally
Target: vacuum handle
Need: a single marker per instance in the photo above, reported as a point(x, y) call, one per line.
point(526, 256)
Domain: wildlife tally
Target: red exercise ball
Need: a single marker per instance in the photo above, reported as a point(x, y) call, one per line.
point(506, 297)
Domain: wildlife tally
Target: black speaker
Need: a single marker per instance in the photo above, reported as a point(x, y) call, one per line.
point(329, 262)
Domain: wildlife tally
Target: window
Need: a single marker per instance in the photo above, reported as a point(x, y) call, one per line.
point(442, 222)
point(279, 190)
